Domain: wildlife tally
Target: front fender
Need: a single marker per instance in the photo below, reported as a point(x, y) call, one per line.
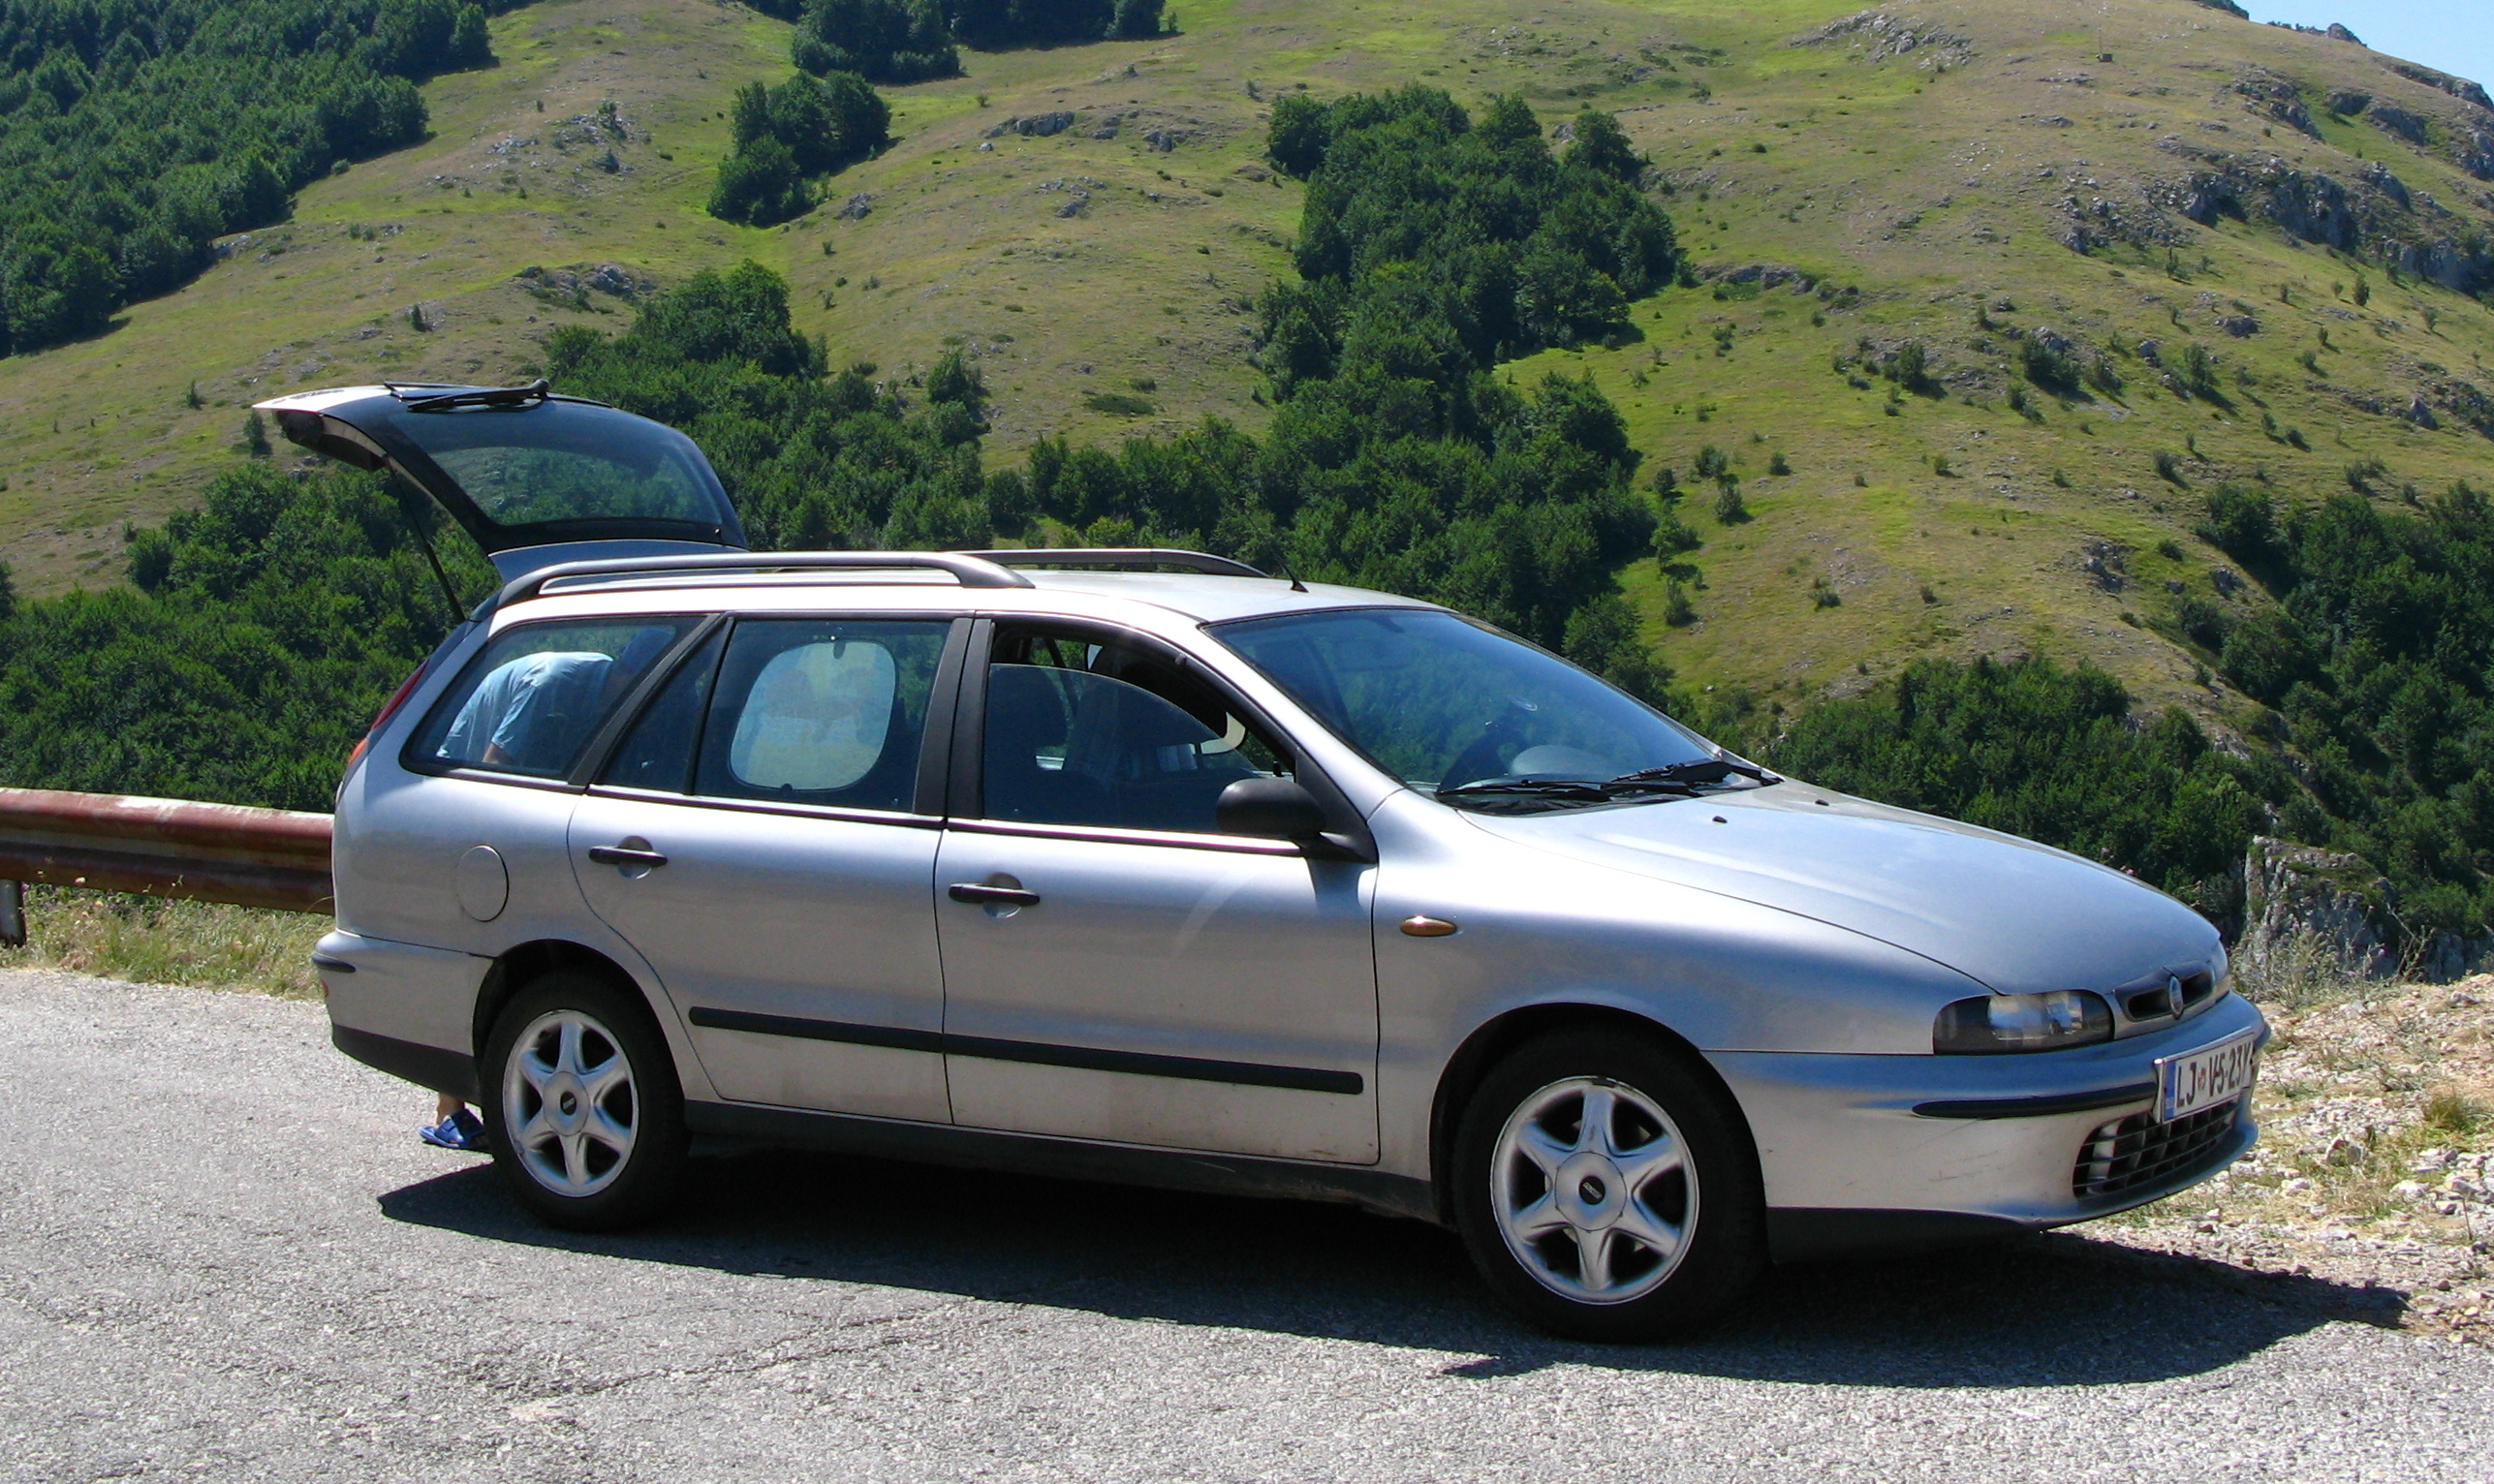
point(1724, 975)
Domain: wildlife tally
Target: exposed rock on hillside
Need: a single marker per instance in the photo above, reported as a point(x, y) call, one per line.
point(2299, 893)
point(2276, 98)
point(1877, 36)
point(2457, 88)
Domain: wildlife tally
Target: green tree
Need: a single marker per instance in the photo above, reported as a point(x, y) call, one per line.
point(133, 135)
point(884, 40)
point(759, 185)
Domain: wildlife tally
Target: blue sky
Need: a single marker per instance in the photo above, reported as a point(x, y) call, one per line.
point(2456, 36)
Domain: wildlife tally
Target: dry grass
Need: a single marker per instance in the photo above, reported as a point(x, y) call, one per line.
point(2306, 970)
point(149, 941)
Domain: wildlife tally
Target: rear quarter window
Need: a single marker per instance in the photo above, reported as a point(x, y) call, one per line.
point(532, 700)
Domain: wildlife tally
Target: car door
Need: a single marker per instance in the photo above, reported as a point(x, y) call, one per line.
point(1114, 966)
point(465, 838)
point(761, 837)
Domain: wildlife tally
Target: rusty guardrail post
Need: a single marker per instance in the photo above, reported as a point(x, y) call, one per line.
point(166, 847)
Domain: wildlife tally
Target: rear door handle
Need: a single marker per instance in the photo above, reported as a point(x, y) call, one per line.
point(978, 894)
point(624, 855)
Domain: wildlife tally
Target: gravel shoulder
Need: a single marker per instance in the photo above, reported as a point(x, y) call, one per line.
point(223, 1253)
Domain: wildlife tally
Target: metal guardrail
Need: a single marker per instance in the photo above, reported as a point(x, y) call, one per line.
point(161, 848)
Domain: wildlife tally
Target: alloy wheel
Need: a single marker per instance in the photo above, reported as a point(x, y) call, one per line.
point(569, 1102)
point(1592, 1189)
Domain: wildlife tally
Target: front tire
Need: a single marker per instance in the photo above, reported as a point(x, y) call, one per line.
point(1607, 1188)
point(582, 1103)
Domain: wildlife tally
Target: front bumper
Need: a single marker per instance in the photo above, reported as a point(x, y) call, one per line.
point(1867, 1151)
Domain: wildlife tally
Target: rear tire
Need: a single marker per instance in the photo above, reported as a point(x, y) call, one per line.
point(582, 1103)
point(1607, 1188)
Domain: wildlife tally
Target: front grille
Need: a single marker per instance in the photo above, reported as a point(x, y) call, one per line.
point(2138, 1151)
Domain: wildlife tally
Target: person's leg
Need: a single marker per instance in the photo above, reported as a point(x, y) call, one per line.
point(453, 1126)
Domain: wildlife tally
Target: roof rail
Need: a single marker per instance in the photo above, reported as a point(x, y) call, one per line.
point(1121, 556)
point(970, 569)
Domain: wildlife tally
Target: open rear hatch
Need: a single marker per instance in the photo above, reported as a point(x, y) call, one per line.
point(533, 477)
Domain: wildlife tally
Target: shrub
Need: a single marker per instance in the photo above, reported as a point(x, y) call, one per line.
point(1911, 366)
point(2199, 373)
point(759, 185)
point(1778, 464)
point(1729, 508)
point(1677, 611)
point(2169, 468)
point(2205, 624)
point(2046, 366)
point(1672, 535)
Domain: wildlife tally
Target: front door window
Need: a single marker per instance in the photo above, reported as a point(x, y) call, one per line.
point(1086, 732)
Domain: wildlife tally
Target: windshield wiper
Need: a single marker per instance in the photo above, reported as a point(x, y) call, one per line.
point(1715, 769)
point(1589, 791)
point(529, 395)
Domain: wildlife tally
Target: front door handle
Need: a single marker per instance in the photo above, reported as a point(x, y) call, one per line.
point(979, 894)
point(625, 856)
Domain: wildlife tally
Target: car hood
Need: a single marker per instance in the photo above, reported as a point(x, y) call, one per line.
point(2016, 915)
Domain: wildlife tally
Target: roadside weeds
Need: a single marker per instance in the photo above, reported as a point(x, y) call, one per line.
point(153, 940)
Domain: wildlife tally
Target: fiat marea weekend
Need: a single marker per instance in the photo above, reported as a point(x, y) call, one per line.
point(1148, 866)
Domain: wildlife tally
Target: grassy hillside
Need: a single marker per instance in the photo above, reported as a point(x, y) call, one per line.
point(1890, 182)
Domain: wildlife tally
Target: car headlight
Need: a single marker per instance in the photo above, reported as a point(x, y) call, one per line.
point(2047, 1022)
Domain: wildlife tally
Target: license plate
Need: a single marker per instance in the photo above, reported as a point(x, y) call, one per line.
point(2203, 1079)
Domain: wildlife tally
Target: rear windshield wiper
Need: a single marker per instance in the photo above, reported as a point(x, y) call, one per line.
point(530, 395)
point(1699, 770)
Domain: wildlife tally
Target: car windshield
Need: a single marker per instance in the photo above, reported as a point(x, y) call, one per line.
point(1477, 717)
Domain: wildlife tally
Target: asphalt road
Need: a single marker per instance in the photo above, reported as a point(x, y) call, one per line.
point(223, 1255)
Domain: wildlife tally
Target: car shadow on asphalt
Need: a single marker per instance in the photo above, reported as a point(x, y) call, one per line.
point(2045, 1311)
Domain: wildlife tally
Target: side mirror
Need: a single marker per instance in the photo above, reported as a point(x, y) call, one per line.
point(1277, 807)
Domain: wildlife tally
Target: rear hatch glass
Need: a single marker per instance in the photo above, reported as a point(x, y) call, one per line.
point(531, 476)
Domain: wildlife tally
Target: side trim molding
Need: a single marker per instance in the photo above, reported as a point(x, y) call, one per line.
point(1141, 1063)
point(1395, 1195)
point(2037, 1107)
point(896, 1037)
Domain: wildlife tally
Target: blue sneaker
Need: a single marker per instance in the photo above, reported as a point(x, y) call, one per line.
point(461, 1130)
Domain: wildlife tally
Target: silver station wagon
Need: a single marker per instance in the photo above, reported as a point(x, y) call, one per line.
point(1147, 866)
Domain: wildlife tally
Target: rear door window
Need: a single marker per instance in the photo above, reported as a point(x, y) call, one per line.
point(539, 692)
point(657, 753)
point(822, 711)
